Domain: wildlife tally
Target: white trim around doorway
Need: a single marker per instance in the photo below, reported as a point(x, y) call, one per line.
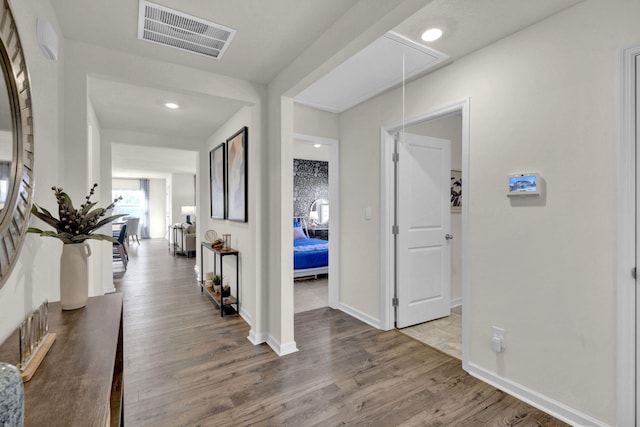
point(627, 393)
point(387, 260)
point(334, 220)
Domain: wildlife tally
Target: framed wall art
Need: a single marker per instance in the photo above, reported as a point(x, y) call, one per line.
point(456, 190)
point(217, 177)
point(237, 184)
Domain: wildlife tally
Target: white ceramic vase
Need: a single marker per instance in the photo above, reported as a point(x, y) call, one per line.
point(74, 281)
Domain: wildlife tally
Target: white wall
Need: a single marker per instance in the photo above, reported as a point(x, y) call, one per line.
point(99, 264)
point(450, 128)
point(311, 121)
point(542, 100)
point(104, 152)
point(125, 184)
point(247, 237)
point(183, 193)
point(157, 210)
point(36, 275)
point(306, 150)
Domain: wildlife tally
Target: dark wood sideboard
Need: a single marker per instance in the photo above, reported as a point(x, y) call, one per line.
point(79, 383)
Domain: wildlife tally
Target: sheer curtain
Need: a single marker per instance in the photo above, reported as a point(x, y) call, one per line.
point(144, 227)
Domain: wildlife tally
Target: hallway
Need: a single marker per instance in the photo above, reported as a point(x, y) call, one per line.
point(185, 365)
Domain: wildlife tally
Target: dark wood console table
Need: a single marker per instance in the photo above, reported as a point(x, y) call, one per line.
point(79, 382)
point(226, 302)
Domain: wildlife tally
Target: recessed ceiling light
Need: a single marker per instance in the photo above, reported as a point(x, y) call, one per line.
point(432, 34)
point(317, 145)
point(171, 105)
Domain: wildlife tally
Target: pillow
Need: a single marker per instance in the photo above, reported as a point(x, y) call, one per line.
point(298, 233)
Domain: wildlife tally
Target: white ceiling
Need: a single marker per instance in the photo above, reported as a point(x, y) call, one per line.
point(470, 25)
point(270, 35)
point(136, 108)
point(307, 150)
point(135, 161)
point(356, 80)
point(467, 26)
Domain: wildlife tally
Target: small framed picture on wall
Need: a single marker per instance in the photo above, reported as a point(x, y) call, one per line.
point(217, 176)
point(237, 169)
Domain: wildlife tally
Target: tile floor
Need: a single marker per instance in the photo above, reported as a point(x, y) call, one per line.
point(444, 334)
point(310, 294)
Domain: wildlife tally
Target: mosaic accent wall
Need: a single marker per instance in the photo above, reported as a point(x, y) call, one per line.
point(310, 182)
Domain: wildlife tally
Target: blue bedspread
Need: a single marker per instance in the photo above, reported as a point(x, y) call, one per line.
point(310, 253)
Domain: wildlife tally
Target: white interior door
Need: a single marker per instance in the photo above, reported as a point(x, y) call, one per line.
point(424, 221)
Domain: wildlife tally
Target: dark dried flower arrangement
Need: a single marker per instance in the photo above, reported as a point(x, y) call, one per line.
point(75, 225)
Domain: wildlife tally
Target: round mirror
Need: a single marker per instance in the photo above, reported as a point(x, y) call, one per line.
point(319, 212)
point(16, 144)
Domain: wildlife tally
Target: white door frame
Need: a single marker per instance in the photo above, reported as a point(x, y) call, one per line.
point(334, 218)
point(387, 183)
point(627, 389)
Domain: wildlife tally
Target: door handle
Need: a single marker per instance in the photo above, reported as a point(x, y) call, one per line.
point(448, 236)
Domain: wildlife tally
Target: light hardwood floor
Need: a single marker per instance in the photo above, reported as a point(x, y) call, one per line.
point(187, 366)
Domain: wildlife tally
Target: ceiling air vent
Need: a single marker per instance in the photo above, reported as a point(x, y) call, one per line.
point(159, 24)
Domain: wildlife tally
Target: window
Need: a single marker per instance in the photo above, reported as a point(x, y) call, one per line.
point(132, 203)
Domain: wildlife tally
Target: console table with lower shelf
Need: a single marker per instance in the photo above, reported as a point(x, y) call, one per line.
point(178, 240)
point(80, 380)
point(225, 303)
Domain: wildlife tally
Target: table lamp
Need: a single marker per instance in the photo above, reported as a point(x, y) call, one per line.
point(188, 211)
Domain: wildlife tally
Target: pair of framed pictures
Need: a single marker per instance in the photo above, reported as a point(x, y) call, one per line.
point(228, 177)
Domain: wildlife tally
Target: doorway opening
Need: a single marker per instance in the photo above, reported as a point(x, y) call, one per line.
point(433, 313)
point(316, 229)
point(451, 123)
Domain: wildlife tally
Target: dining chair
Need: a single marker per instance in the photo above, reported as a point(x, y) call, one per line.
point(119, 251)
point(133, 226)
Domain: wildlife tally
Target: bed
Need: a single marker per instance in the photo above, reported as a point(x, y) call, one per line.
point(310, 256)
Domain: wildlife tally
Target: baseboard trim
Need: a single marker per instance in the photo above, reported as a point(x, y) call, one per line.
point(247, 317)
point(257, 338)
point(249, 321)
point(456, 302)
point(281, 349)
point(535, 399)
point(372, 321)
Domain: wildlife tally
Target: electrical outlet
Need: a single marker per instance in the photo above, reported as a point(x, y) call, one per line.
point(497, 339)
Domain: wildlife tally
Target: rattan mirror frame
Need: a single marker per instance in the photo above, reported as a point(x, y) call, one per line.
point(15, 218)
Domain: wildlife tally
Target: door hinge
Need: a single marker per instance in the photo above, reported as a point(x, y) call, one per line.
point(634, 272)
point(394, 301)
point(395, 230)
point(395, 157)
